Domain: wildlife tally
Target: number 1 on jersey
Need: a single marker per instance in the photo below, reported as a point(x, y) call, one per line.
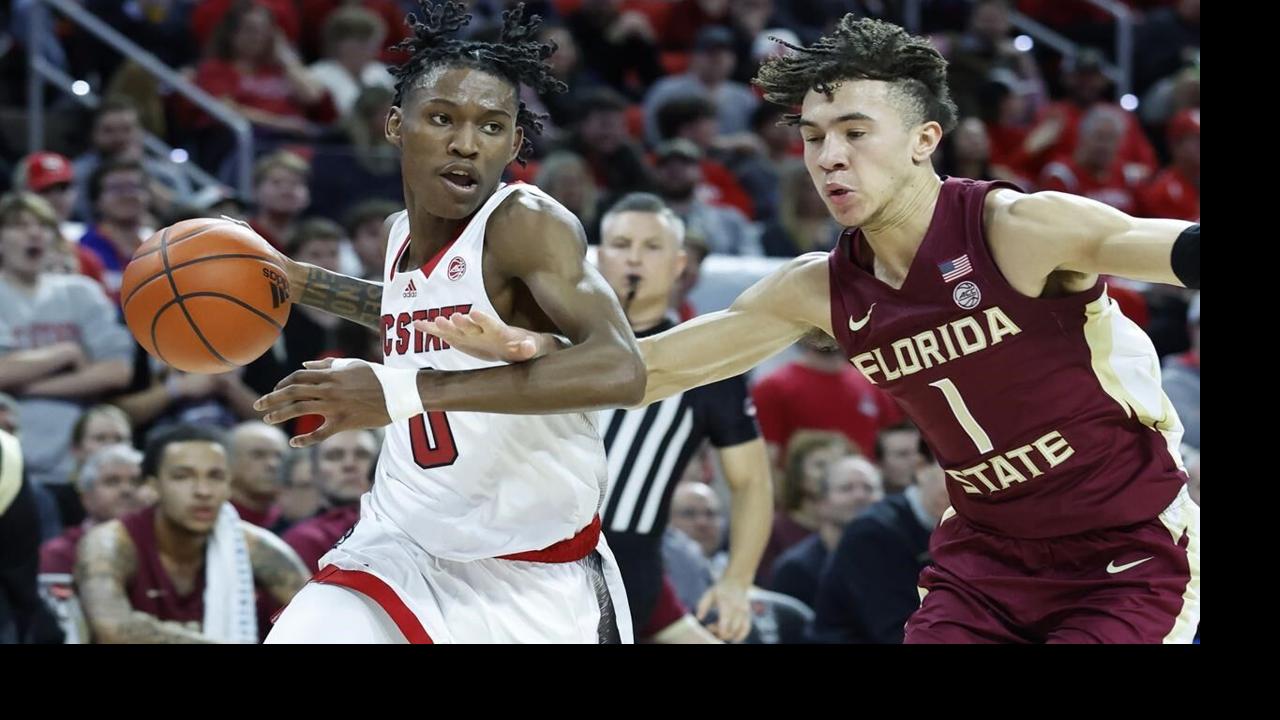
point(963, 416)
point(435, 448)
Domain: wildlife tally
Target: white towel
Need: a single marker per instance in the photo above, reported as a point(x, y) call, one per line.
point(230, 614)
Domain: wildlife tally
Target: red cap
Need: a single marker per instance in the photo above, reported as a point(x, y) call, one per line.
point(1186, 122)
point(44, 169)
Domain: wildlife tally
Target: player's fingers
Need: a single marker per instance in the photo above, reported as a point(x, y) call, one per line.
point(320, 434)
point(466, 325)
point(276, 399)
point(304, 377)
point(297, 409)
point(440, 327)
point(487, 322)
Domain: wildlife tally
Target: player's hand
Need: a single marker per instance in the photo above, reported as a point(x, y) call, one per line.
point(729, 598)
point(483, 336)
point(349, 399)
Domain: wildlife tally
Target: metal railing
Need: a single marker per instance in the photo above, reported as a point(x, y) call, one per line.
point(40, 72)
point(1119, 72)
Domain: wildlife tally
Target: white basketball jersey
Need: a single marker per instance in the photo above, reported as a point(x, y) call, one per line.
point(468, 485)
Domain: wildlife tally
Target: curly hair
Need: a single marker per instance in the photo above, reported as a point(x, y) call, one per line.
point(865, 49)
point(517, 57)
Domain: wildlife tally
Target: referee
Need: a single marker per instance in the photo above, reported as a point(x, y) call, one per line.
point(641, 255)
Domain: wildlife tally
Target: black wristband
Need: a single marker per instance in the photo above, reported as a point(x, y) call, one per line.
point(1186, 257)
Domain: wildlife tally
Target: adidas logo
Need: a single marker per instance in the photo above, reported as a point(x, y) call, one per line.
point(411, 291)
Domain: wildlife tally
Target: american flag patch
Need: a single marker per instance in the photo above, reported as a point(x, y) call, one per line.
point(955, 269)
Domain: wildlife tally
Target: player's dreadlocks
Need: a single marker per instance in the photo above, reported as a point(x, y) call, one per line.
point(864, 49)
point(517, 57)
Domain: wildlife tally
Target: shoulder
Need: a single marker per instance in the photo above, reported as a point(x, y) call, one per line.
point(529, 229)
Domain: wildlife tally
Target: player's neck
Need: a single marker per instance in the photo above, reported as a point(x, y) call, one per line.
point(179, 545)
point(429, 233)
point(896, 234)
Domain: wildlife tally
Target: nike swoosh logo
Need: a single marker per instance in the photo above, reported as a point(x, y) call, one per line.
point(1113, 568)
point(856, 326)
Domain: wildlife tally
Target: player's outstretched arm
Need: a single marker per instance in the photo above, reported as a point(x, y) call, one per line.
point(1038, 234)
point(778, 310)
point(765, 319)
point(359, 301)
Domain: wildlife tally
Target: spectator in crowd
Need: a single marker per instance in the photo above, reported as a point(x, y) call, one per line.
point(110, 485)
point(1175, 191)
point(61, 346)
point(117, 135)
point(97, 427)
point(346, 462)
point(255, 450)
point(143, 578)
point(807, 456)
point(121, 217)
point(620, 45)
point(679, 172)
point(898, 454)
point(868, 587)
point(693, 118)
point(567, 178)
point(52, 176)
point(710, 67)
point(364, 225)
point(353, 39)
point(281, 195)
point(254, 69)
point(299, 495)
point(568, 66)
point(364, 159)
point(601, 138)
point(820, 391)
point(1056, 133)
point(696, 512)
point(852, 485)
point(966, 152)
point(985, 45)
point(390, 12)
point(1165, 39)
point(1095, 169)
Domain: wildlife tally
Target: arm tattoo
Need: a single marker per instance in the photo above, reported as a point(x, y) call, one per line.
point(276, 567)
point(359, 301)
point(105, 561)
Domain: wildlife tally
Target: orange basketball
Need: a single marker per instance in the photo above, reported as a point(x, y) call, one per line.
point(205, 295)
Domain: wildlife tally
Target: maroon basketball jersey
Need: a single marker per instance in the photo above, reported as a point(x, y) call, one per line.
point(1047, 414)
point(150, 589)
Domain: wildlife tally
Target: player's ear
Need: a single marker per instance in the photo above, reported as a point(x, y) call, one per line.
point(393, 126)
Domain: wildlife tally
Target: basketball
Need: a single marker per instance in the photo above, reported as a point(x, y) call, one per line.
point(205, 295)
